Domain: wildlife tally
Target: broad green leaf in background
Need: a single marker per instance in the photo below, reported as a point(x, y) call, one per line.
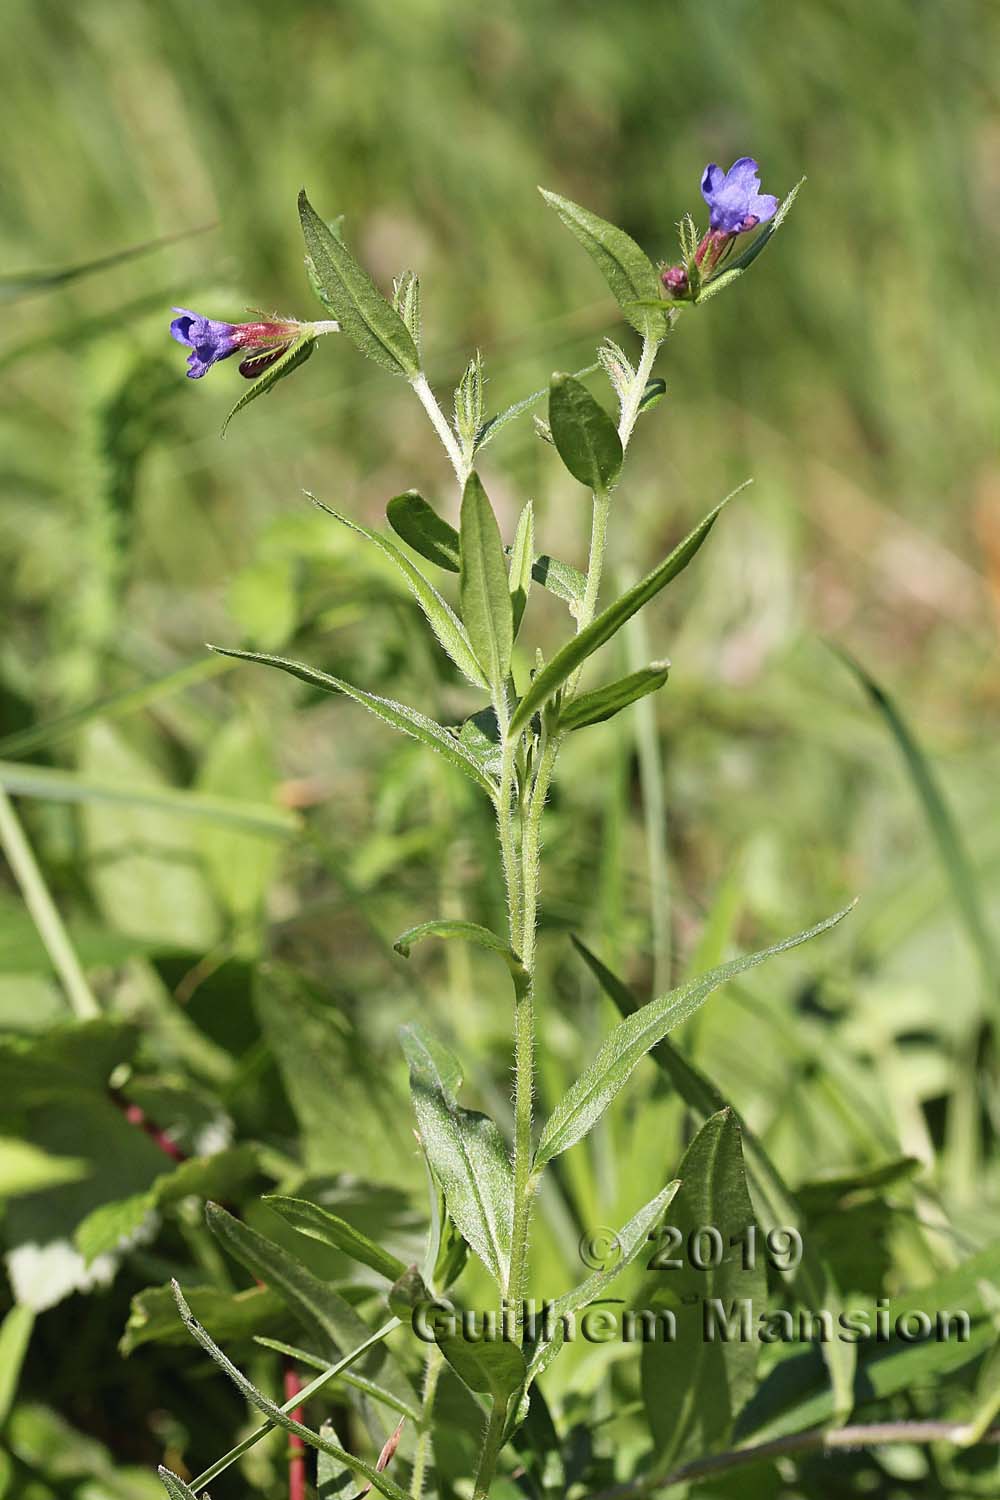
point(494, 1367)
point(594, 1089)
point(408, 720)
point(694, 1387)
point(586, 439)
point(352, 1117)
point(467, 1154)
point(604, 702)
point(521, 563)
point(625, 267)
point(440, 616)
point(485, 593)
point(466, 932)
point(330, 1229)
point(776, 1206)
point(420, 526)
point(25, 1168)
point(15, 1334)
point(609, 621)
point(234, 1315)
point(350, 294)
point(239, 763)
point(295, 355)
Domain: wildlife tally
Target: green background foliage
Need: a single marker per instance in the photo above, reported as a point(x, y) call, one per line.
point(243, 955)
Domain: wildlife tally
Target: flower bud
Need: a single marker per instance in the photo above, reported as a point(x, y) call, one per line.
point(675, 279)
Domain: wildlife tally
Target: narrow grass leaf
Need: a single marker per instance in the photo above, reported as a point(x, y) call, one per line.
point(590, 1094)
point(408, 720)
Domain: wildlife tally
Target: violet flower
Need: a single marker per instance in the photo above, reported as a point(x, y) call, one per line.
point(211, 341)
point(734, 198)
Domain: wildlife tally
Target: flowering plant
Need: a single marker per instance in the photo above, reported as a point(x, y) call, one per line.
point(484, 1190)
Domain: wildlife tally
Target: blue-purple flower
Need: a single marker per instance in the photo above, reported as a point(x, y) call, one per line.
point(734, 198)
point(210, 341)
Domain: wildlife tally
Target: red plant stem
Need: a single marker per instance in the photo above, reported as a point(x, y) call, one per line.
point(135, 1116)
point(296, 1447)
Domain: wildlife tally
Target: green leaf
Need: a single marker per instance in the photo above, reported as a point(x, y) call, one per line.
point(566, 582)
point(420, 526)
point(486, 604)
point(342, 1373)
point(295, 355)
point(440, 616)
point(467, 932)
point(586, 439)
point(350, 294)
point(467, 1154)
point(26, 1169)
point(492, 425)
point(776, 1206)
point(694, 1387)
point(406, 301)
point(408, 720)
point(480, 736)
point(234, 1315)
point(469, 403)
point(494, 1366)
point(175, 1488)
point(627, 1243)
point(329, 1229)
point(609, 621)
point(15, 1334)
point(273, 1412)
point(521, 564)
point(626, 268)
point(653, 393)
point(604, 702)
point(594, 1089)
point(317, 1306)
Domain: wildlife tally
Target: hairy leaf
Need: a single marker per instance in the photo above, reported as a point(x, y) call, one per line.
point(486, 604)
point(420, 526)
point(586, 439)
point(604, 702)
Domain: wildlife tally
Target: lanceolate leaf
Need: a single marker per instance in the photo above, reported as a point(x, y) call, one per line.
point(589, 1096)
point(347, 290)
point(175, 1488)
point(468, 932)
point(603, 703)
point(586, 439)
point(397, 714)
point(625, 267)
point(777, 1207)
point(275, 1413)
point(561, 579)
point(608, 622)
point(736, 267)
point(693, 1386)
point(294, 356)
point(467, 1154)
point(441, 618)
point(521, 562)
point(319, 1224)
point(492, 425)
point(420, 526)
point(628, 1242)
point(486, 605)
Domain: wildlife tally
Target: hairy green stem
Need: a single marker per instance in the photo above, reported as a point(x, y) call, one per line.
point(429, 402)
point(432, 1372)
point(45, 915)
point(630, 406)
point(492, 1443)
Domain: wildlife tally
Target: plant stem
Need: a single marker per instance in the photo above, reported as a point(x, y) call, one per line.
point(491, 1450)
point(630, 406)
point(43, 910)
point(817, 1439)
point(429, 402)
point(432, 1372)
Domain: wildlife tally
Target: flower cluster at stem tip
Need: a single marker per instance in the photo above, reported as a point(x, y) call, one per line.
point(735, 204)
